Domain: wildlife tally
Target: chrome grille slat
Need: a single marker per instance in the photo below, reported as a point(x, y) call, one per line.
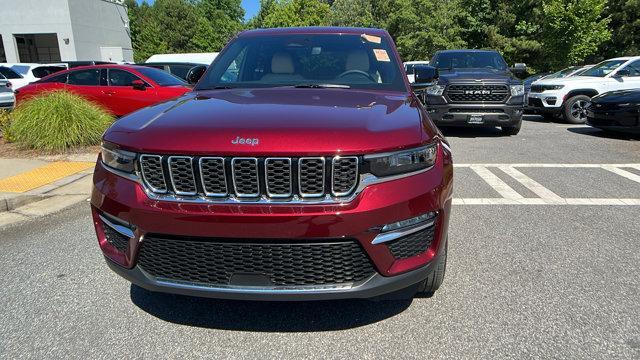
point(182, 176)
point(278, 177)
point(249, 179)
point(311, 176)
point(153, 173)
point(344, 175)
point(213, 176)
point(244, 172)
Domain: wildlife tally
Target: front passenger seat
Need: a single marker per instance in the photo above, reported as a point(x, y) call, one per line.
point(282, 69)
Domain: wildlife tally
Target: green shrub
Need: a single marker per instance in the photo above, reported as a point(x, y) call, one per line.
point(57, 121)
point(5, 119)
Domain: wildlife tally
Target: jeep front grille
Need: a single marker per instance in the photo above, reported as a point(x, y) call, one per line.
point(250, 178)
point(477, 93)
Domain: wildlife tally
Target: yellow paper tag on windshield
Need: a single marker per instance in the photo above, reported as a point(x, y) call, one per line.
point(381, 55)
point(372, 39)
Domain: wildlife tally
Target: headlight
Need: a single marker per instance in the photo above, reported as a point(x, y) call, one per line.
point(118, 159)
point(401, 162)
point(435, 90)
point(517, 90)
point(551, 87)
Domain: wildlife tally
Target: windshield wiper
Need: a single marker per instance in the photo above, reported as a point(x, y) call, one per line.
point(322, 86)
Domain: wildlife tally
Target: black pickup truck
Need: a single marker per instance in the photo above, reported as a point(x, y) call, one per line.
point(475, 88)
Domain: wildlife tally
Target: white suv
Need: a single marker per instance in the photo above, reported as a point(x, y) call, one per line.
point(568, 97)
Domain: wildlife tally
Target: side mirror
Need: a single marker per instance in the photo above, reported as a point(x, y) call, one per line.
point(195, 73)
point(138, 85)
point(424, 75)
point(622, 73)
point(519, 69)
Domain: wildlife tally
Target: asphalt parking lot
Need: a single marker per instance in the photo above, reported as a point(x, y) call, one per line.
point(543, 263)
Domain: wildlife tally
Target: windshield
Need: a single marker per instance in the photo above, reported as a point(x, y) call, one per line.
point(9, 74)
point(603, 69)
point(563, 73)
point(306, 60)
point(160, 77)
point(468, 60)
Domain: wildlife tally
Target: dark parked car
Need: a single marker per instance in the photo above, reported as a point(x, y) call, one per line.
point(180, 70)
point(616, 111)
point(301, 167)
point(476, 88)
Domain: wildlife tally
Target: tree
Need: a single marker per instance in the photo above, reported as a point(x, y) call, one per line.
point(288, 13)
point(421, 27)
point(573, 30)
point(624, 26)
point(266, 8)
point(351, 13)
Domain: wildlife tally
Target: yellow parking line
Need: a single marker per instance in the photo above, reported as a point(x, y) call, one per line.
point(41, 176)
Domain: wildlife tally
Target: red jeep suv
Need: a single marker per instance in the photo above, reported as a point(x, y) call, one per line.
point(300, 167)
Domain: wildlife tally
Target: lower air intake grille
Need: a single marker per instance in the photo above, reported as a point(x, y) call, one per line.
point(114, 238)
point(281, 263)
point(412, 245)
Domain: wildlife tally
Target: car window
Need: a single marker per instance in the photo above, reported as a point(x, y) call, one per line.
point(346, 60)
point(634, 68)
point(43, 71)
point(62, 78)
point(162, 78)
point(603, 69)
point(84, 77)
point(119, 77)
point(9, 74)
point(180, 70)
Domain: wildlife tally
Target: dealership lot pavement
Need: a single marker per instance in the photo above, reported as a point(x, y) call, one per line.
point(535, 271)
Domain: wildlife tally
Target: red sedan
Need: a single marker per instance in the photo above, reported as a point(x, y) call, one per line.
point(121, 89)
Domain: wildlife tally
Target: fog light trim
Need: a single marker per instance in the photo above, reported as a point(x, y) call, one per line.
point(402, 228)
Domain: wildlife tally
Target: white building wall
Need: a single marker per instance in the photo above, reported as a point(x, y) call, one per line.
point(86, 29)
point(35, 17)
point(99, 26)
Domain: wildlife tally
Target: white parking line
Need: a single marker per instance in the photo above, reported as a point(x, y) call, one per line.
point(629, 175)
point(498, 185)
point(532, 185)
point(545, 196)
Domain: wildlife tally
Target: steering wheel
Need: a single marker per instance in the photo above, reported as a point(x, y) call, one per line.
point(358, 72)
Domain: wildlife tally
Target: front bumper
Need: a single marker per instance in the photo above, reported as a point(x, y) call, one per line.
point(460, 114)
point(7, 100)
point(359, 219)
point(547, 102)
point(622, 120)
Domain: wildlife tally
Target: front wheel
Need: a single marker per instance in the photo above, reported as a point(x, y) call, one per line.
point(575, 109)
point(432, 283)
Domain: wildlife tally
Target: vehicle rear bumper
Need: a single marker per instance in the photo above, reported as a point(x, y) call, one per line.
point(460, 114)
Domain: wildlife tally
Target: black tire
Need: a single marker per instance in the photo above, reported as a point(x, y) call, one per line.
point(511, 130)
point(432, 283)
point(574, 109)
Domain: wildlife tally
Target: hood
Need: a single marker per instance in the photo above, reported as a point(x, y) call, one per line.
point(479, 75)
point(618, 97)
point(568, 80)
point(275, 121)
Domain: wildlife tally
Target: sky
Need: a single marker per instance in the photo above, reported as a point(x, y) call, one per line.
point(251, 7)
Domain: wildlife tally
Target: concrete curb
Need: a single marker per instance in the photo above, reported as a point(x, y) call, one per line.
point(45, 200)
point(46, 206)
